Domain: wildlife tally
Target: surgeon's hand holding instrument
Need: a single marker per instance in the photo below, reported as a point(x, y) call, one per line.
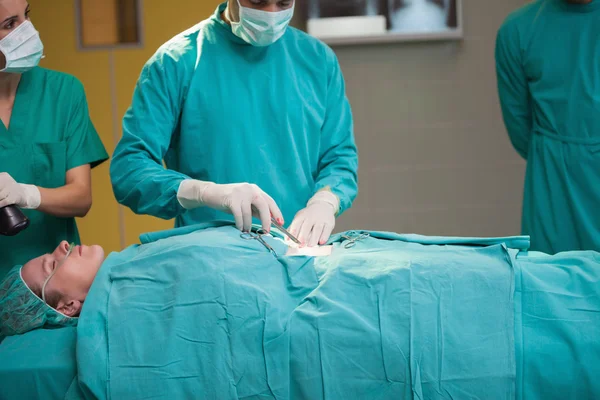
point(21, 195)
point(242, 200)
point(313, 225)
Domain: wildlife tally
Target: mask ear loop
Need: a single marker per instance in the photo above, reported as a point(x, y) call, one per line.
point(71, 247)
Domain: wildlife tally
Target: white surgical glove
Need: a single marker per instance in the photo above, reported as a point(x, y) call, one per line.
point(243, 200)
point(21, 195)
point(313, 225)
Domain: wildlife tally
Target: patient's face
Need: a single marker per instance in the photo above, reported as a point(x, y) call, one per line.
point(67, 289)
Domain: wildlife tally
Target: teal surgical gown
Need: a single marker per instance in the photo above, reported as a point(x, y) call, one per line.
point(548, 65)
point(216, 109)
point(50, 132)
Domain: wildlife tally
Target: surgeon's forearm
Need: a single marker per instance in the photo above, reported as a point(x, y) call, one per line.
point(339, 174)
point(513, 90)
point(68, 201)
point(518, 119)
point(74, 199)
point(342, 183)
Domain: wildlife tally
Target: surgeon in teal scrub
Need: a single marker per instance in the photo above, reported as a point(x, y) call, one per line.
point(47, 142)
point(548, 66)
point(250, 117)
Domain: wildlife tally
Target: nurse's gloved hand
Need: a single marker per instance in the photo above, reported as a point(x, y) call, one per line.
point(21, 195)
point(313, 225)
point(242, 200)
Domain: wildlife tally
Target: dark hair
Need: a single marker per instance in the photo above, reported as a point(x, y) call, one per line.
point(52, 299)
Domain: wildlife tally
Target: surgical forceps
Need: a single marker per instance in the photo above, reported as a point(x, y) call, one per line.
point(354, 237)
point(258, 236)
point(285, 231)
point(281, 229)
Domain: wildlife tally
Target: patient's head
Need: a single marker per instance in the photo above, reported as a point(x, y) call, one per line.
point(68, 274)
point(67, 289)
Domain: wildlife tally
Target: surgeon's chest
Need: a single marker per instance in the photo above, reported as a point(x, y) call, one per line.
point(35, 117)
point(240, 100)
point(562, 54)
point(33, 142)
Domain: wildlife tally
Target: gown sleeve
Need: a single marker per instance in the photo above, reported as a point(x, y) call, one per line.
point(139, 179)
point(513, 90)
point(338, 158)
point(83, 143)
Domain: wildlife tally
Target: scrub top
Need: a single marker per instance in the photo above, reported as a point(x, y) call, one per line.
point(50, 132)
point(548, 64)
point(217, 109)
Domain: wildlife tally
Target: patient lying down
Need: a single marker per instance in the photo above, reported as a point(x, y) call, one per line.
point(68, 273)
point(387, 318)
point(26, 304)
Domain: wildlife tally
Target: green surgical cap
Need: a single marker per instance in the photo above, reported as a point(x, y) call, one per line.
point(22, 311)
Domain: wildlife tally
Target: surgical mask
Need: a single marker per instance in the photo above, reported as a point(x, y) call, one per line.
point(261, 28)
point(22, 48)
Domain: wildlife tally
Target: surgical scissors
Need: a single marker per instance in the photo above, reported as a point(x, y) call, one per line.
point(354, 237)
point(258, 236)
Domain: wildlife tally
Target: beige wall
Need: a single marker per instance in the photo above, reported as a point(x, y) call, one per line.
point(434, 155)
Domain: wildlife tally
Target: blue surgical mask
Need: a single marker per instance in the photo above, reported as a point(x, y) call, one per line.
point(22, 49)
point(261, 28)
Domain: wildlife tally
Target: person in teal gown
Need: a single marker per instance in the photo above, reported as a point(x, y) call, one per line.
point(251, 119)
point(48, 143)
point(548, 68)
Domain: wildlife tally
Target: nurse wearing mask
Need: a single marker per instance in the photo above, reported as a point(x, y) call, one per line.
point(547, 58)
point(47, 142)
point(251, 118)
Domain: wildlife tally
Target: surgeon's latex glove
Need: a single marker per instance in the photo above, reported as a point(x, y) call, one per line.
point(243, 200)
point(21, 195)
point(313, 225)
